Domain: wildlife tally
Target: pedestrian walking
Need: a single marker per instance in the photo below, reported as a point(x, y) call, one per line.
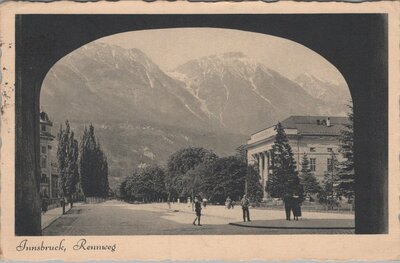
point(62, 203)
point(245, 207)
point(197, 209)
point(287, 199)
point(169, 203)
point(228, 202)
point(296, 202)
point(44, 203)
point(205, 202)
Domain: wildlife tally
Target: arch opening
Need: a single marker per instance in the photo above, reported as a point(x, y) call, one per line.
point(356, 82)
point(205, 87)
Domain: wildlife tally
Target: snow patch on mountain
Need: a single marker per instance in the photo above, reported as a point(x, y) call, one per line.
point(148, 153)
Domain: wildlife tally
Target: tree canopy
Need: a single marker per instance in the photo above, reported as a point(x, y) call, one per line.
point(328, 194)
point(225, 177)
point(93, 166)
point(307, 178)
point(254, 187)
point(346, 167)
point(284, 179)
point(145, 184)
point(180, 162)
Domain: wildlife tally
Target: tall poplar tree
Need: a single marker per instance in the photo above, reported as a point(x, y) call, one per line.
point(284, 179)
point(67, 157)
point(93, 166)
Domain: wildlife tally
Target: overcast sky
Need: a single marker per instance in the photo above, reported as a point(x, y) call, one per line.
point(170, 48)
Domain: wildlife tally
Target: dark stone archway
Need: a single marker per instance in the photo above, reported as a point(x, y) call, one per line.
point(355, 43)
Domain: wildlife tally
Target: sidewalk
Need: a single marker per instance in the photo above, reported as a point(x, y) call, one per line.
point(53, 214)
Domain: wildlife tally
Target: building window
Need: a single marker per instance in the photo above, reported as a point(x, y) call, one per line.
point(43, 149)
point(49, 147)
point(54, 181)
point(330, 150)
point(312, 164)
point(43, 162)
point(44, 178)
point(312, 149)
point(329, 165)
point(43, 127)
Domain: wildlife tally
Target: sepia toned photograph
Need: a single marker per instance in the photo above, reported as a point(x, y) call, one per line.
point(171, 125)
point(150, 129)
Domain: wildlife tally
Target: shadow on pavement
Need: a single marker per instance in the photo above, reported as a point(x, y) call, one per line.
point(301, 224)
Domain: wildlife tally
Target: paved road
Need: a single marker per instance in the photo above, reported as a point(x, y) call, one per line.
point(118, 218)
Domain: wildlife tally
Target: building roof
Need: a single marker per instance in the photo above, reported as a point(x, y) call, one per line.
point(44, 118)
point(315, 124)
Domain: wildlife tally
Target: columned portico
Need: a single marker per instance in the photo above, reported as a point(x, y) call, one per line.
point(316, 136)
point(263, 161)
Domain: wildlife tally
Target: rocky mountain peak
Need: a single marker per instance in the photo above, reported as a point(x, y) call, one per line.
point(214, 101)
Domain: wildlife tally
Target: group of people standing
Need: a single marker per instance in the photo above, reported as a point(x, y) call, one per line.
point(292, 204)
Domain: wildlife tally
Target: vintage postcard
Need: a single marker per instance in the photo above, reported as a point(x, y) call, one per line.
point(195, 131)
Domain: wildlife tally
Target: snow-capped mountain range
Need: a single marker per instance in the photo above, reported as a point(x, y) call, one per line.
point(215, 101)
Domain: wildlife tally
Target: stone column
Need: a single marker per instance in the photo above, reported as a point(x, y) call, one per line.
point(260, 168)
point(266, 173)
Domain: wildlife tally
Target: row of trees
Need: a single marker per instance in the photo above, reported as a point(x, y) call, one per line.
point(198, 171)
point(193, 171)
point(85, 163)
point(338, 180)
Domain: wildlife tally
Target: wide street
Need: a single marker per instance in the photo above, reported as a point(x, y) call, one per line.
point(119, 218)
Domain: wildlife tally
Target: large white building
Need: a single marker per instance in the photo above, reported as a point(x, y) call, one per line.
point(317, 136)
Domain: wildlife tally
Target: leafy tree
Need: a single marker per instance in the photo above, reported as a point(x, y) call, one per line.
point(67, 157)
point(145, 184)
point(155, 176)
point(284, 179)
point(328, 194)
point(120, 191)
point(254, 187)
point(241, 153)
point(225, 177)
point(192, 180)
point(93, 166)
point(346, 167)
point(308, 179)
point(181, 162)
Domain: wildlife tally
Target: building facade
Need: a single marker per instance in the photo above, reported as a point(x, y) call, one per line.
point(48, 164)
point(317, 136)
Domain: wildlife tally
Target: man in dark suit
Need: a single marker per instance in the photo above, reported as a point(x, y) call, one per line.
point(245, 207)
point(287, 199)
point(197, 208)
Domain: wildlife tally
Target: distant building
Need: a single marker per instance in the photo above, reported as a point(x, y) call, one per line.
point(48, 167)
point(317, 136)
